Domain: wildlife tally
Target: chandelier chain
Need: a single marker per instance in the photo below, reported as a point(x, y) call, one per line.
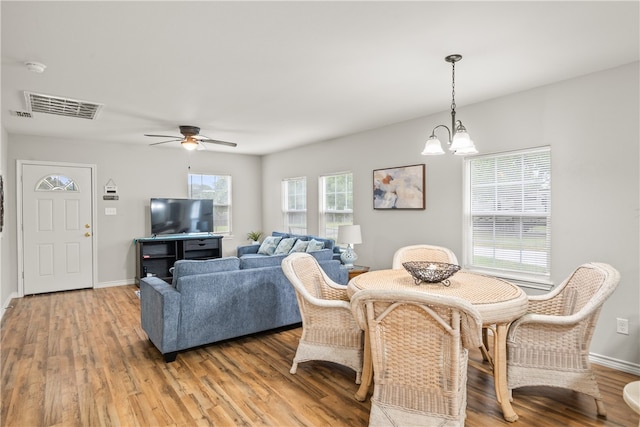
point(453, 86)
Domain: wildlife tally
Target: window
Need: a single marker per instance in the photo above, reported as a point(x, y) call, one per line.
point(218, 188)
point(336, 203)
point(56, 183)
point(508, 214)
point(294, 205)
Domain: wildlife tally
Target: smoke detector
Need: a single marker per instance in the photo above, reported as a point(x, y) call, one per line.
point(36, 67)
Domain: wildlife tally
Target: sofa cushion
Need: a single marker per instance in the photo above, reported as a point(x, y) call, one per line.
point(285, 246)
point(328, 243)
point(269, 245)
point(187, 267)
point(299, 246)
point(315, 245)
point(257, 261)
point(280, 234)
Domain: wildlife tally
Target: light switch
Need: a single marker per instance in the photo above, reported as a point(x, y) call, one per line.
point(109, 211)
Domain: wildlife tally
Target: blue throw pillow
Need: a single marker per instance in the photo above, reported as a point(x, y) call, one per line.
point(300, 246)
point(285, 246)
point(269, 245)
point(315, 245)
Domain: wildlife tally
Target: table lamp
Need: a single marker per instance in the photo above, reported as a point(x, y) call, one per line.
point(349, 234)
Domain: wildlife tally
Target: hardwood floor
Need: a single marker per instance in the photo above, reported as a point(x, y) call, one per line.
point(80, 358)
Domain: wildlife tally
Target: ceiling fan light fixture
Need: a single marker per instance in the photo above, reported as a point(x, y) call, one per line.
point(191, 139)
point(190, 143)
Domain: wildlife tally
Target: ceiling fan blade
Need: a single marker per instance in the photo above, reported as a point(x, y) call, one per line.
point(162, 136)
point(215, 141)
point(164, 142)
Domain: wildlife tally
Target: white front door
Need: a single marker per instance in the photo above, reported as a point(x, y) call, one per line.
point(57, 227)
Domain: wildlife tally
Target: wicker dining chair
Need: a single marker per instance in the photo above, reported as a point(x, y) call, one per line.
point(329, 331)
point(549, 346)
point(423, 253)
point(419, 345)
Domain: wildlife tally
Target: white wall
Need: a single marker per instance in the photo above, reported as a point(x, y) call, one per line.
point(140, 172)
point(591, 124)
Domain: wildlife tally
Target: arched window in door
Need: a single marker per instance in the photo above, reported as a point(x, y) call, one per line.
point(56, 183)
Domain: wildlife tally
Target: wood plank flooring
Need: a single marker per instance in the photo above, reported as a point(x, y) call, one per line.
point(80, 358)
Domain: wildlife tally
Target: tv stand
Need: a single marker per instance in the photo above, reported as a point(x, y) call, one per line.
point(156, 255)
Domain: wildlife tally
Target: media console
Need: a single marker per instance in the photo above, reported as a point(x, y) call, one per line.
point(156, 255)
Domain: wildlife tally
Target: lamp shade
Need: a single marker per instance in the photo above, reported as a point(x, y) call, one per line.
point(349, 234)
point(461, 141)
point(433, 147)
point(464, 151)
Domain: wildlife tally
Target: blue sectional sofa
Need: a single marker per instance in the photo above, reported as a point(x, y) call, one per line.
point(250, 258)
point(214, 300)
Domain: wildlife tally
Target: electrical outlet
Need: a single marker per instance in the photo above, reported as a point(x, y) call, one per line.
point(622, 326)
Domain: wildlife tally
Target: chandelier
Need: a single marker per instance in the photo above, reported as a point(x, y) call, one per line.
point(458, 139)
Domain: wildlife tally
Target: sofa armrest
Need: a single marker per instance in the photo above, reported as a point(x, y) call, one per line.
point(248, 249)
point(160, 313)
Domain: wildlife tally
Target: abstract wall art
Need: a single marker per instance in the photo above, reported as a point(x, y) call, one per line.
point(399, 187)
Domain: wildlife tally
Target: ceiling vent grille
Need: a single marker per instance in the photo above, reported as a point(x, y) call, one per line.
point(39, 103)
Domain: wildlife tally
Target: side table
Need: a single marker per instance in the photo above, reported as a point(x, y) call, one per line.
point(357, 270)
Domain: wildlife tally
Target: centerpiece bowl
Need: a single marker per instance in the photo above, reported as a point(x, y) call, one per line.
point(431, 272)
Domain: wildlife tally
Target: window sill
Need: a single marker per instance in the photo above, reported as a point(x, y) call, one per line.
point(523, 281)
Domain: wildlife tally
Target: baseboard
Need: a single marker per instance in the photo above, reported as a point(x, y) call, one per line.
point(619, 365)
point(115, 283)
point(7, 304)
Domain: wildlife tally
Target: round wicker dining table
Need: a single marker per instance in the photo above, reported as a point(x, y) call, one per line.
point(498, 301)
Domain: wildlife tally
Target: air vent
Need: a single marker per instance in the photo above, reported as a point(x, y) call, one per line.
point(38, 103)
point(24, 114)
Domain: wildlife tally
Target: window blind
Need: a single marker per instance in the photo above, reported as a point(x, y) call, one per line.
point(294, 201)
point(336, 203)
point(510, 212)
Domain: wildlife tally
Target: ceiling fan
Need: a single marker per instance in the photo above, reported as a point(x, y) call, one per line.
point(191, 139)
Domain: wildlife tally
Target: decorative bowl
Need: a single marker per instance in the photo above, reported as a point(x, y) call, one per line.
point(431, 272)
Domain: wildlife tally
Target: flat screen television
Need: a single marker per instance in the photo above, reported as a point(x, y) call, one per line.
point(179, 216)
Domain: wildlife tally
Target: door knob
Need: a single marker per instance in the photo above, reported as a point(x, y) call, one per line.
point(87, 226)
point(87, 234)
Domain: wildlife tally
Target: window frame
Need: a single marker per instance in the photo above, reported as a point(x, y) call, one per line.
point(286, 209)
point(229, 204)
point(540, 280)
point(323, 211)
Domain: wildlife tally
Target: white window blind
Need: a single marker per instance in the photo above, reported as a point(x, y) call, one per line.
point(336, 203)
point(509, 213)
point(294, 201)
point(218, 188)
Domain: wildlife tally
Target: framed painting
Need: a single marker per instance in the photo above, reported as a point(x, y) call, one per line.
point(399, 188)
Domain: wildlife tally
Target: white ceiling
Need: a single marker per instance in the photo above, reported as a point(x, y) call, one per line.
point(273, 75)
